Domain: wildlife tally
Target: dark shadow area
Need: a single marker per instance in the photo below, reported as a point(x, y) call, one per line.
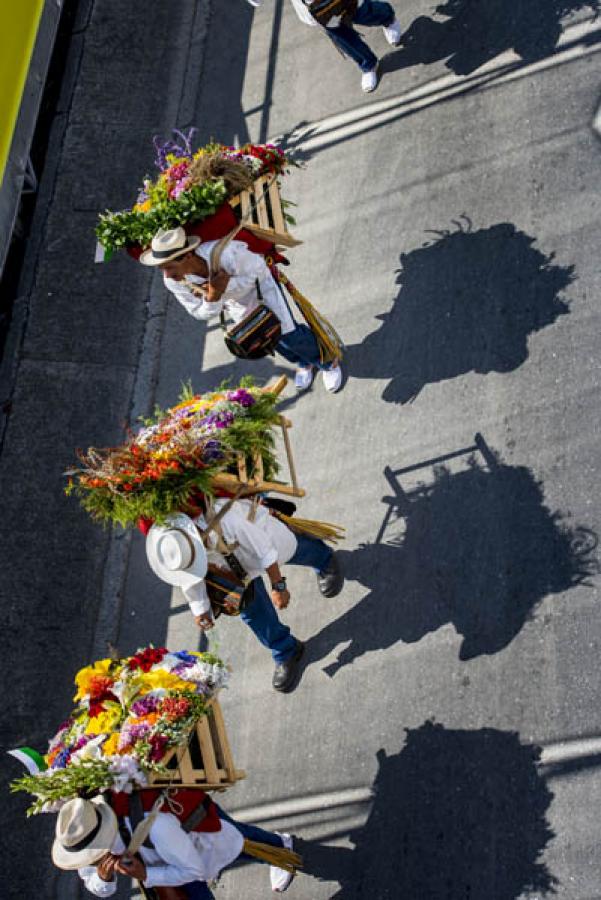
point(479, 550)
point(457, 815)
point(473, 32)
point(467, 302)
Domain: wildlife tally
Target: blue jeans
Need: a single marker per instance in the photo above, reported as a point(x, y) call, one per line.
point(252, 833)
point(198, 890)
point(301, 348)
point(370, 13)
point(261, 615)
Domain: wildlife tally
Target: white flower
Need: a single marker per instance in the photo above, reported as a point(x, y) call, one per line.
point(126, 773)
point(91, 750)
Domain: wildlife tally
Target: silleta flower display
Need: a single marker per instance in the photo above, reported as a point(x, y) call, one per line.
point(176, 455)
point(129, 713)
point(191, 187)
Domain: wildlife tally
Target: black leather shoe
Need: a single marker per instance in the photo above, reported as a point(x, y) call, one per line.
point(286, 673)
point(331, 580)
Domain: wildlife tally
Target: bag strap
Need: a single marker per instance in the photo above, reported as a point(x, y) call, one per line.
point(226, 550)
point(126, 837)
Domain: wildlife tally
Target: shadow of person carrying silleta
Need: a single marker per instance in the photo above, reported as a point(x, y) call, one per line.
point(456, 815)
point(473, 32)
point(476, 548)
point(467, 302)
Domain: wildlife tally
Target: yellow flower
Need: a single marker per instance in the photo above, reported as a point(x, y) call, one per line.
point(144, 207)
point(161, 679)
point(111, 745)
point(106, 722)
point(84, 676)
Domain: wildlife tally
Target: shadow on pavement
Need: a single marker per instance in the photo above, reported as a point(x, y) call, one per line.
point(467, 302)
point(475, 31)
point(477, 548)
point(457, 815)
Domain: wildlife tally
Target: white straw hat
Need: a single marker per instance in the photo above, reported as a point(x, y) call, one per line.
point(176, 552)
point(85, 831)
point(167, 245)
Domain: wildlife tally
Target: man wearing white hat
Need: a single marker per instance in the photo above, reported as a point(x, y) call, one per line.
point(259, 543)
point(233, 289)
point(91, 839)
point(339, 28)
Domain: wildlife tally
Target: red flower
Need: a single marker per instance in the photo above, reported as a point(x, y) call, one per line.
point(174, 708)
point(147, 658)
point(158, 745)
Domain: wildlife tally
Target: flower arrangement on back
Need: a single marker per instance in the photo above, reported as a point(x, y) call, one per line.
point(129, 713)
point(177, 454)
point(190, 187)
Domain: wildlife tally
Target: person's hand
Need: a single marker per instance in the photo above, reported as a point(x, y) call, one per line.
point(106, 867)
point(281, 599)
point(205, 622)
point(132, 867)
point(213, 289)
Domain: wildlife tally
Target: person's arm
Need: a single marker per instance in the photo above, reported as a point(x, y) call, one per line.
point(181, 863)
point(97, 885)
point(200, 605)
point(255, 541)
point(198, 307)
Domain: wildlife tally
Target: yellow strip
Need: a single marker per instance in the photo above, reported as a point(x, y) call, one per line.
point(18, 30)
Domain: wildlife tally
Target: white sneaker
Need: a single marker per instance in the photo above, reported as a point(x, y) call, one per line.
point(332, 378)
point(280, 878)
point(304, 378)
point(369, 81)
point(255, 2)
point(392, 32)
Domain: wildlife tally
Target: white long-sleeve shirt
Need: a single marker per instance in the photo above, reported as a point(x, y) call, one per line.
point(261, 543)
point(177, 858)
point(245, 269)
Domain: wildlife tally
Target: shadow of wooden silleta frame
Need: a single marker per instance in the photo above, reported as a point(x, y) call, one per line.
point(244, 485)
point(399, 500)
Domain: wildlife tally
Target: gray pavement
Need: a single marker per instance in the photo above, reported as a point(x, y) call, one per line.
point(443, 740)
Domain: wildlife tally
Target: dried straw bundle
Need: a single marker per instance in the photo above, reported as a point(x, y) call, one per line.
point(209, 166)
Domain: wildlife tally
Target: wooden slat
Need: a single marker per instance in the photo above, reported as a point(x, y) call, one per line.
point(284, 239)
point(186, 768)
point(228, 759)
point(245, 206)
point(279, 223)
point(208, 753)
point(290, 458)
point(260, 203)
point(277, 387)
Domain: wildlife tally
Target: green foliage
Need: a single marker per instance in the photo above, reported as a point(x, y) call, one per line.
point(88, 779)
point(115, 231)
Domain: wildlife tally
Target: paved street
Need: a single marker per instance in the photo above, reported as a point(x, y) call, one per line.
point(445, 739)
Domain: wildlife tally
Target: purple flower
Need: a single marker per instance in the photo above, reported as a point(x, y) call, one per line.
point(243, 397)
point(144, 706)
point(163, 149)
point(212, 451)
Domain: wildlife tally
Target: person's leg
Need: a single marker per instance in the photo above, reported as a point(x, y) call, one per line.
point(353, 46)
point(261, 617)
point(301, 348)
point(253, 833)
point(311, 552)
point(374, 12)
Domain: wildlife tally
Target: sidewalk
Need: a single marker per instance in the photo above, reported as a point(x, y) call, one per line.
point(78, 368)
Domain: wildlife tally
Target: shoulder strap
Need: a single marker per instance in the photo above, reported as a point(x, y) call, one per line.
point(136, 815)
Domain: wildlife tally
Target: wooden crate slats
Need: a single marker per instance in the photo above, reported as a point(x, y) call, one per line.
point(206, 761)
point(261, 210)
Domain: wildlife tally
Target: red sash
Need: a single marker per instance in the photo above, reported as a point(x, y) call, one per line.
point(189, 799)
